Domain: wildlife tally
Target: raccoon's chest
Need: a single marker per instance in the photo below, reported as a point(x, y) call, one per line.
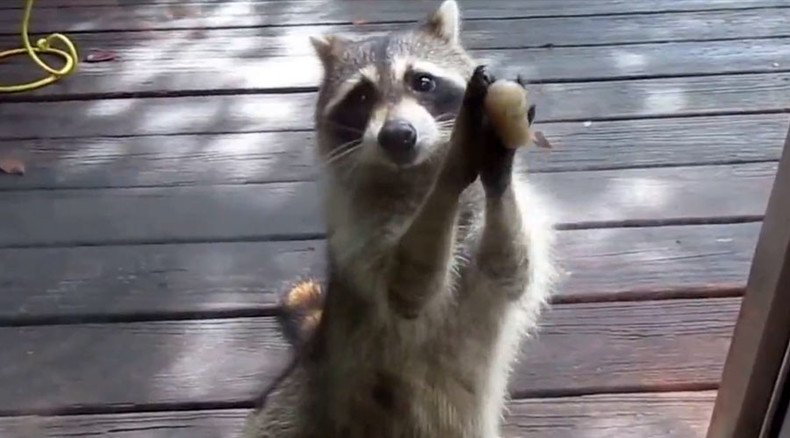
point(386, 404)
point(378, 384)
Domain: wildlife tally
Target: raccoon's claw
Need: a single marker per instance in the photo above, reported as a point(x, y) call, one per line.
point(482, 76)
point(478, 85)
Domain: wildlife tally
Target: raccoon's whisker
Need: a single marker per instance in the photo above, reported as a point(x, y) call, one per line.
point(341, 148)
point(344, 127)
point(445, 128)
point(446, 117)
point(338, 154)
point(331, 158)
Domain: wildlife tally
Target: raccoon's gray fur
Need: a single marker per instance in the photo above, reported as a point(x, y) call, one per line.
point(438, 260)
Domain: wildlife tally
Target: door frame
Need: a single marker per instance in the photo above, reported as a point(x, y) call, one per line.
point(752, 377)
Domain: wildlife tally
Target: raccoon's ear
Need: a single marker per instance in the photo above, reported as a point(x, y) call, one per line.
point(445, 22)
point(328, 48)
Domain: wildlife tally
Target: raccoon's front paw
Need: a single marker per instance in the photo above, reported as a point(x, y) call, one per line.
point(463, 165)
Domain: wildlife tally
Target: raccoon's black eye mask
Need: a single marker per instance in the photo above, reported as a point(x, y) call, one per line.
point(350, 117)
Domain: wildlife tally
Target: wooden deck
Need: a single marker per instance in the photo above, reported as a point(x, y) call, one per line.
point(170, 197)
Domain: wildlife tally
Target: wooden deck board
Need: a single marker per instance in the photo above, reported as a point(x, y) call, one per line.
point(68, 16)
point(102, 162)
point(668, 415)
point(582, 348)
point(519, 32)
point(143, 67)
point(215, 279)
point(275, 112)
point(292, 210)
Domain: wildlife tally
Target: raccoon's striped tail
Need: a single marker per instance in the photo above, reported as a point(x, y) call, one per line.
point(301, 311)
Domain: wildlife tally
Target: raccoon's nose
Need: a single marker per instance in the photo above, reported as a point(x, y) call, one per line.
point(397, 138)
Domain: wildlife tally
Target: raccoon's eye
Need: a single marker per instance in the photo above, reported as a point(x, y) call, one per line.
point(423, 83)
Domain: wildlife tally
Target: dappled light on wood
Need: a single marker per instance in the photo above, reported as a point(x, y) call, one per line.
point(110, 108)
point(642, 191)
point(667, 100)
point(629, 60)
point(199, 362)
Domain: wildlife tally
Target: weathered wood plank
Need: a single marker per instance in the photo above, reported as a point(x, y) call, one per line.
point(519, 32)
point(268, 112)
point(582, 347)
point(655, 261)
point(173, 160)
point(289, 156)
point(659, 344)
point(277, 210)
point(145, 68)
point(52, 16)
point(79, 366)
point(669, 415)
point(125, 282)
point(225, 423)
point(107, 282)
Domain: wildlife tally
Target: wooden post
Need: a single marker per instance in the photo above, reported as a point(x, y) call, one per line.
point(762, 333)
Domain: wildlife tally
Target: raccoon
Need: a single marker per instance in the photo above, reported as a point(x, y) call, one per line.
point(439, 258)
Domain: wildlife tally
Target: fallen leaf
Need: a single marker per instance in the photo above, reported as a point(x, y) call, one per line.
point(541, 141)
point(101, 56)
point(12, 166)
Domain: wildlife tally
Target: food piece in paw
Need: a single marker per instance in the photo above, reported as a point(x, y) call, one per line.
point(511, 115)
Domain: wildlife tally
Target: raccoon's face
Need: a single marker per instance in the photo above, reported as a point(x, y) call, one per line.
point(390, 101)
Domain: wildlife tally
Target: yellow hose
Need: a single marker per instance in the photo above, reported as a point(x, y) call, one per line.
point(45, 46)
